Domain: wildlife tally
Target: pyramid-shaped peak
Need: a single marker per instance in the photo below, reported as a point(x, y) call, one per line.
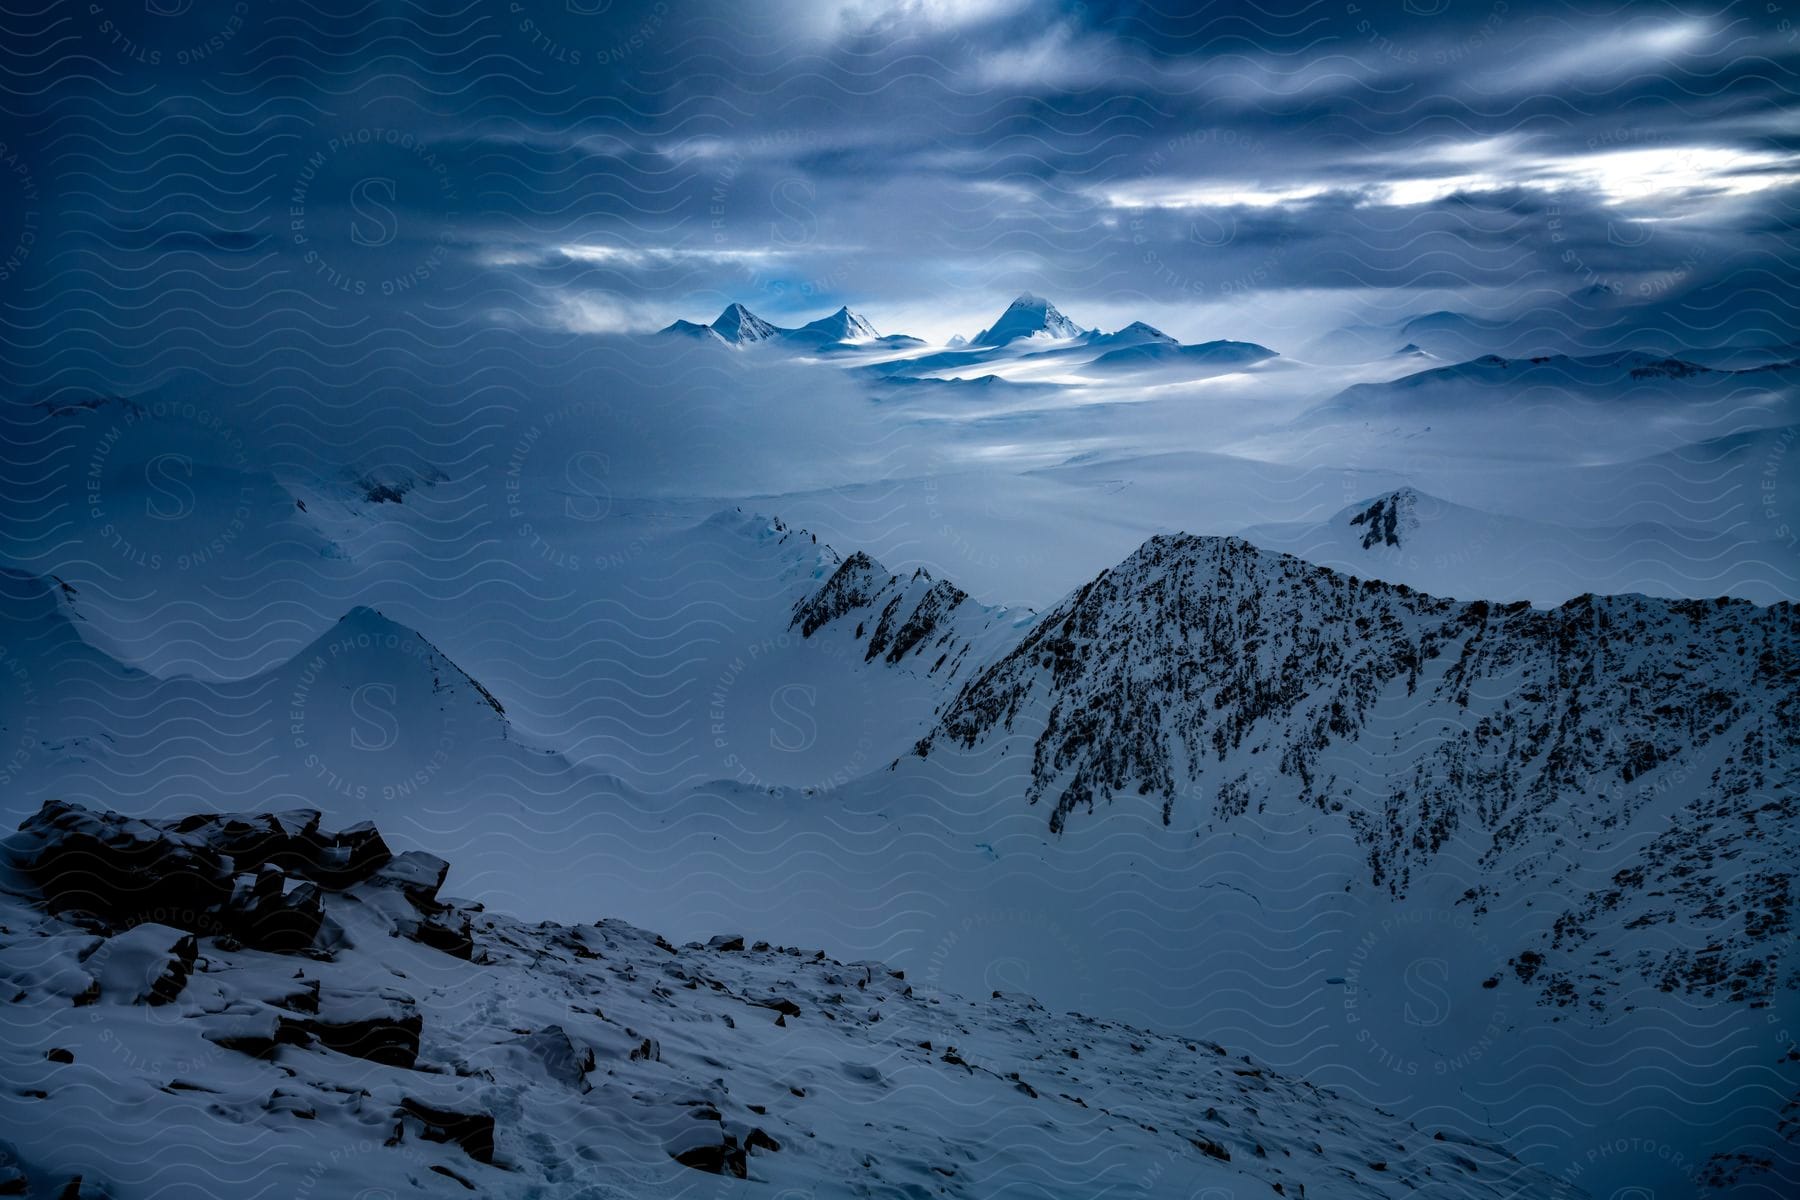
point(738, 324)
point(1028, 316)
point(844, 325)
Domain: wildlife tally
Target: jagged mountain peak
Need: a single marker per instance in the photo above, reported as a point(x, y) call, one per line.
point(1028, 316)
point(844, 325)
point(1138, 333)
point(740, 326)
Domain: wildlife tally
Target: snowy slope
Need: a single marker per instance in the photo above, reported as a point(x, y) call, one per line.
point(1406, 536)
point(320, 1018)
point(1252, 911)
point(798, 669)
point(740, 327)
point(1626, 378)
point(1581, 815)
point(841, 326)
point(1162, 355)
point(1028, 316)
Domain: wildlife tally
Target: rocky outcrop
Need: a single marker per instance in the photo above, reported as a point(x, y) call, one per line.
point(915, 620)
point(322, 1068)
point(1387, 519)
point(255, 878)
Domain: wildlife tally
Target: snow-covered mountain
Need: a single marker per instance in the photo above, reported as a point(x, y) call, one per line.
point(925, 624)
point(1624, 376)
point(250, 997)
point(842, 331)
point(1164, 354)
point(1137, 333)
point(735, 326)
point(841, 326)
point(1411, 537)
point(1206, 672)
point(693, 330)
point(811, 669)
point(740, 327)
point(1028, 316)
point(1343, 806)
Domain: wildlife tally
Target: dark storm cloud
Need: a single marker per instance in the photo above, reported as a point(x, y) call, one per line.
point(613, 165)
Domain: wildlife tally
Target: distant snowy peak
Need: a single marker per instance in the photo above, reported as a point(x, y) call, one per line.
point(739, 326)
point(1614, 376)
point(1028, 316)
point(1388, 520)
point(1138, 333)
point(690, 329)
point(1207, 357)
point(842, 326)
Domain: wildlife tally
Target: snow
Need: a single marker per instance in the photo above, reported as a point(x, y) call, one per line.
point(1028, 316)
point(599, 1059)
point(567, 660)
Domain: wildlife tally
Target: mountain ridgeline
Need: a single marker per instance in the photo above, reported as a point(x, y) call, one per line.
point(1212, 679)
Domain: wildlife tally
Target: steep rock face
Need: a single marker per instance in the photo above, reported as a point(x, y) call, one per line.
point(601, 1060)
point(1204, 667)
point(916, 620)
point(1388, 519)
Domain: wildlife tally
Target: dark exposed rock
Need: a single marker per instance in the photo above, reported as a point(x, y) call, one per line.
point(473, 1131)
point(147, 964)
point(1383, 519)
point(381, 1026)
point(120, 870)
point(897, 616)
point(726, 1158)
point(271, 916)
point(561, 1059)
point(416, 874)
point(454, 935)
point(256, 878)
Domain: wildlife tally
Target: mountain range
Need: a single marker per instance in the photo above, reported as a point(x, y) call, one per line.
point(738, 326)
point(1031, 333)
point(1399, 790)
point(1595, 801)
